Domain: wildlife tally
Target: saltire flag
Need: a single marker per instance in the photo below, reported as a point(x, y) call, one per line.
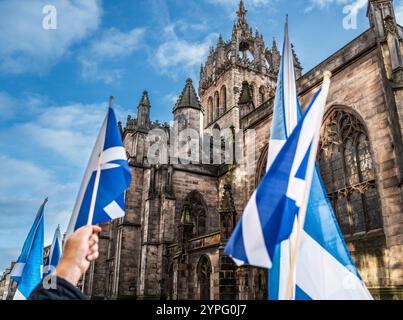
point(27, 271)
point(325, 269)
point(55, 253)
point(109, 155)
point(286, 112)
point(269, 217)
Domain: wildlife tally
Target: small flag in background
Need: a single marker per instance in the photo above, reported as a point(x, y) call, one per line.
point(55, 253)
point(109, 160)
point(269, 217)
point(27, 272)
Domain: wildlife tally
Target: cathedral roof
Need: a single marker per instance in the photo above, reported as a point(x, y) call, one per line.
point(188, 98)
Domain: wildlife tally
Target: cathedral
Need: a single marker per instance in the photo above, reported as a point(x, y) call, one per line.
point(179, 216)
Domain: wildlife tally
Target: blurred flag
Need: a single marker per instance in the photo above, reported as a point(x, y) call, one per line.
point(269, 217)
point(109, 155)
point(27, 272)
point(55, 253)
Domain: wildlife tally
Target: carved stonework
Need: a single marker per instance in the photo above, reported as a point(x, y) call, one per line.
point(390, 25)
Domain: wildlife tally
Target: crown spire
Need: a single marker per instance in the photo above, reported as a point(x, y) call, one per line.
point(241, 13)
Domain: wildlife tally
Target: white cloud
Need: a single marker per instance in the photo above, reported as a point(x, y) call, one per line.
point(27, 47)
point(67, 132)
point(171, 98)
point(235, 3)
point(111, 45)
point(7, 105)
point(10, 107)
point(26, 186)
point(357, 5)
point(177, 54)
point(399, 12)
point(115, 43)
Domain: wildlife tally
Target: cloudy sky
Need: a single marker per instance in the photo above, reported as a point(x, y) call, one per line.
point(54, 84)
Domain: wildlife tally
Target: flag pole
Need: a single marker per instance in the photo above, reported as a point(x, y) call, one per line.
point(302, 213)
point(97, 178)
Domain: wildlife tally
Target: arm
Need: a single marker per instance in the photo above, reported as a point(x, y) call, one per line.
point(80, 250)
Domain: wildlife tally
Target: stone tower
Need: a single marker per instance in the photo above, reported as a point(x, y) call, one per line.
point(188, 124)
point(243, 58)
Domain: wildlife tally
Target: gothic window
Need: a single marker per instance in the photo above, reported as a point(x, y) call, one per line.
point(215, 145)
point(216, 105)
point(203, 278)
point(210, 110)
point(198, 213)
point(261, 96)
point(347, 169)
point(223, 94)
point(262, 165)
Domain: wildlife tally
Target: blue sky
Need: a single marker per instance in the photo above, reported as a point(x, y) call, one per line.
point(54, 84)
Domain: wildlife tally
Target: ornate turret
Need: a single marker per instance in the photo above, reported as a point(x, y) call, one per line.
point(143, 113)
point(383, 20)
point(188, 98)
point(188, 114)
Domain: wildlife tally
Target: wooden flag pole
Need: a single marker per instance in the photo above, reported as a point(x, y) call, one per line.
point(302, 213)
point(97, 179)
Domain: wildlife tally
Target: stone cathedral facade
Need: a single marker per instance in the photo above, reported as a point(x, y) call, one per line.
point(179, 216)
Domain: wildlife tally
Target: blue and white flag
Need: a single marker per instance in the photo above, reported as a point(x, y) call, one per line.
point(55, 253)
point(27, 272)
point(286, 113)
point(114, 179)
point(269, 217)
point(324, 269)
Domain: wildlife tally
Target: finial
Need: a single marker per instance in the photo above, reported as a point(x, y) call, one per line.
point(189, 81)
point(327, 74)
point(241, 12)
point(111, 100)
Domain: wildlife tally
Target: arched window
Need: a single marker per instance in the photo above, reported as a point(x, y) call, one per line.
point(204, 277)
point(223, 94)
point(216, 105)
point(215, 145)
point(261, 167)
point(262, 94)
point(210, 116)
point(347, 169)
point(198, 211)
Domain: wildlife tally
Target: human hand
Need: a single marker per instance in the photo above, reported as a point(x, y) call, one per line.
point(80, 250)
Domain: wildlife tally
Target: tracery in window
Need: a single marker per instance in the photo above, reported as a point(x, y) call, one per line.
point(346, 165)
